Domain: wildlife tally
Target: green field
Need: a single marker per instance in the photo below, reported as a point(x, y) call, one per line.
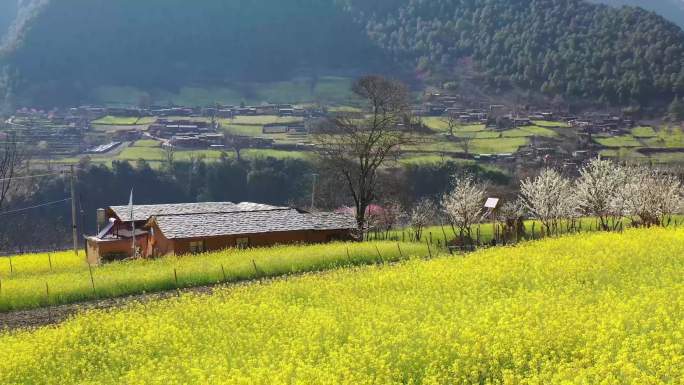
point(643, 132)
point(243, 130)
point(667, 138)
point(588, 309)
point(147, 143)
point(260, 120)
point(24, 278)
point(497, 146)
point(619, 141)
point(123, 121)
point(550, 124)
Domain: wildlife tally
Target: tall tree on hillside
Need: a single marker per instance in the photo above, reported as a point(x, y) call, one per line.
point(10, 159)
point(357, 146)
point(676, 110)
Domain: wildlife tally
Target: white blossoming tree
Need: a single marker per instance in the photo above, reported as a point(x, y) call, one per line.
point(548, 198)
point(600, 192)
point(424, 214)
point(463, 205)
point(653, 196)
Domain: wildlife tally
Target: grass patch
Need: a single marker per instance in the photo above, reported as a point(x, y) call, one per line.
point(618, 141)
point(550, 124)
point(243, 130)
point(260, 120)
point(529, 131)
point(669, 137)
point(123, 121)
point(147, 143)
point(643, 132)
point(497, 146)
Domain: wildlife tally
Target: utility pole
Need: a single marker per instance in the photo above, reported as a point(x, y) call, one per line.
point(313, 191)
point(74, 230)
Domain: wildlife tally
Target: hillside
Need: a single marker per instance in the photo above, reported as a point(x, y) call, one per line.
point(601, 308)
point(63, 51)
point(670, 9)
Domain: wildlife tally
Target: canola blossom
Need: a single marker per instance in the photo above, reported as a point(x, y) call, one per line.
point(588, 309)
point(40, 280)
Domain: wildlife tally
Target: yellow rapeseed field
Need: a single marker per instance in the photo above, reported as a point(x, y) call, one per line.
point(38, 280)
point(586, 309)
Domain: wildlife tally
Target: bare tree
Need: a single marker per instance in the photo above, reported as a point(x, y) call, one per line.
point(549, 198)
point(600, 190)
point(653, 196)
point(169, 157)
point(451, 122)
point(237, 143)
point(10, 162)
point(464, 142)
point(463, 205)
point(423, 214)
point(356, 148)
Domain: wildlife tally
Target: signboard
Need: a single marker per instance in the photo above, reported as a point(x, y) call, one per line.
point(491, 203)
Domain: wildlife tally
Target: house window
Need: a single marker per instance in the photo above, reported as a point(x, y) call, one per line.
point(197, 247)
point(242, 243)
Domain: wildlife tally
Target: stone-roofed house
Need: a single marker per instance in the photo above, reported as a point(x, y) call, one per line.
point(199, 227)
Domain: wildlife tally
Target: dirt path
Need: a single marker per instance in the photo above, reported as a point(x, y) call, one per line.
point(35, 318)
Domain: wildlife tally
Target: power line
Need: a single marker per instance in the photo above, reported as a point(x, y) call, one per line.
point(32, 176)
point(34, 207)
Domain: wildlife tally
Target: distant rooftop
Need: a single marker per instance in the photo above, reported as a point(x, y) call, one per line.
point(144, 212)
point(189, 226)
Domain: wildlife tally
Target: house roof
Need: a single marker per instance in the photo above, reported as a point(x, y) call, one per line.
point(144, 212)
point(248, 222)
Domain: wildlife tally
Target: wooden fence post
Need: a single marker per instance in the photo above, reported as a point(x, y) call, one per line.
point(11, 266)
point(92, 280)
point(349, 257)
point(175, 276)
point(429, 249)
point(378, 251)
point(224, 274)
point(50, 260)
point(256, 270)
point(401, 255)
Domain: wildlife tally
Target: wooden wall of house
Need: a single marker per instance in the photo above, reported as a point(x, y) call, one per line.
point(164, 246)
point(97, 251)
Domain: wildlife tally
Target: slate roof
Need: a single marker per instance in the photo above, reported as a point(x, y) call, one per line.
point(144, 212)
point(249, 222)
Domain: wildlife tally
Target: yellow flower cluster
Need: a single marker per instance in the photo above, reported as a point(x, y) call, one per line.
point(38, 280)
point(587, 309)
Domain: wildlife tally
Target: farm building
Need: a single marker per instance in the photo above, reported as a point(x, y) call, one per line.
point(198, 227)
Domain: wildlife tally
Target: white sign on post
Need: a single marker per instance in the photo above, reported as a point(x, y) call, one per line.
point(491, 203)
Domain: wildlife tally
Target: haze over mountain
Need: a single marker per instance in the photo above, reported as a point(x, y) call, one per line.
point(8, 13)
point(61, 50)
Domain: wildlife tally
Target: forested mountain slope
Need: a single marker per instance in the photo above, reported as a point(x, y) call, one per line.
point(670, 9)
point(63, 49)
point(568, 47)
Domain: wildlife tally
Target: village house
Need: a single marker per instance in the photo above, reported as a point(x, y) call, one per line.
point(198, 227)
